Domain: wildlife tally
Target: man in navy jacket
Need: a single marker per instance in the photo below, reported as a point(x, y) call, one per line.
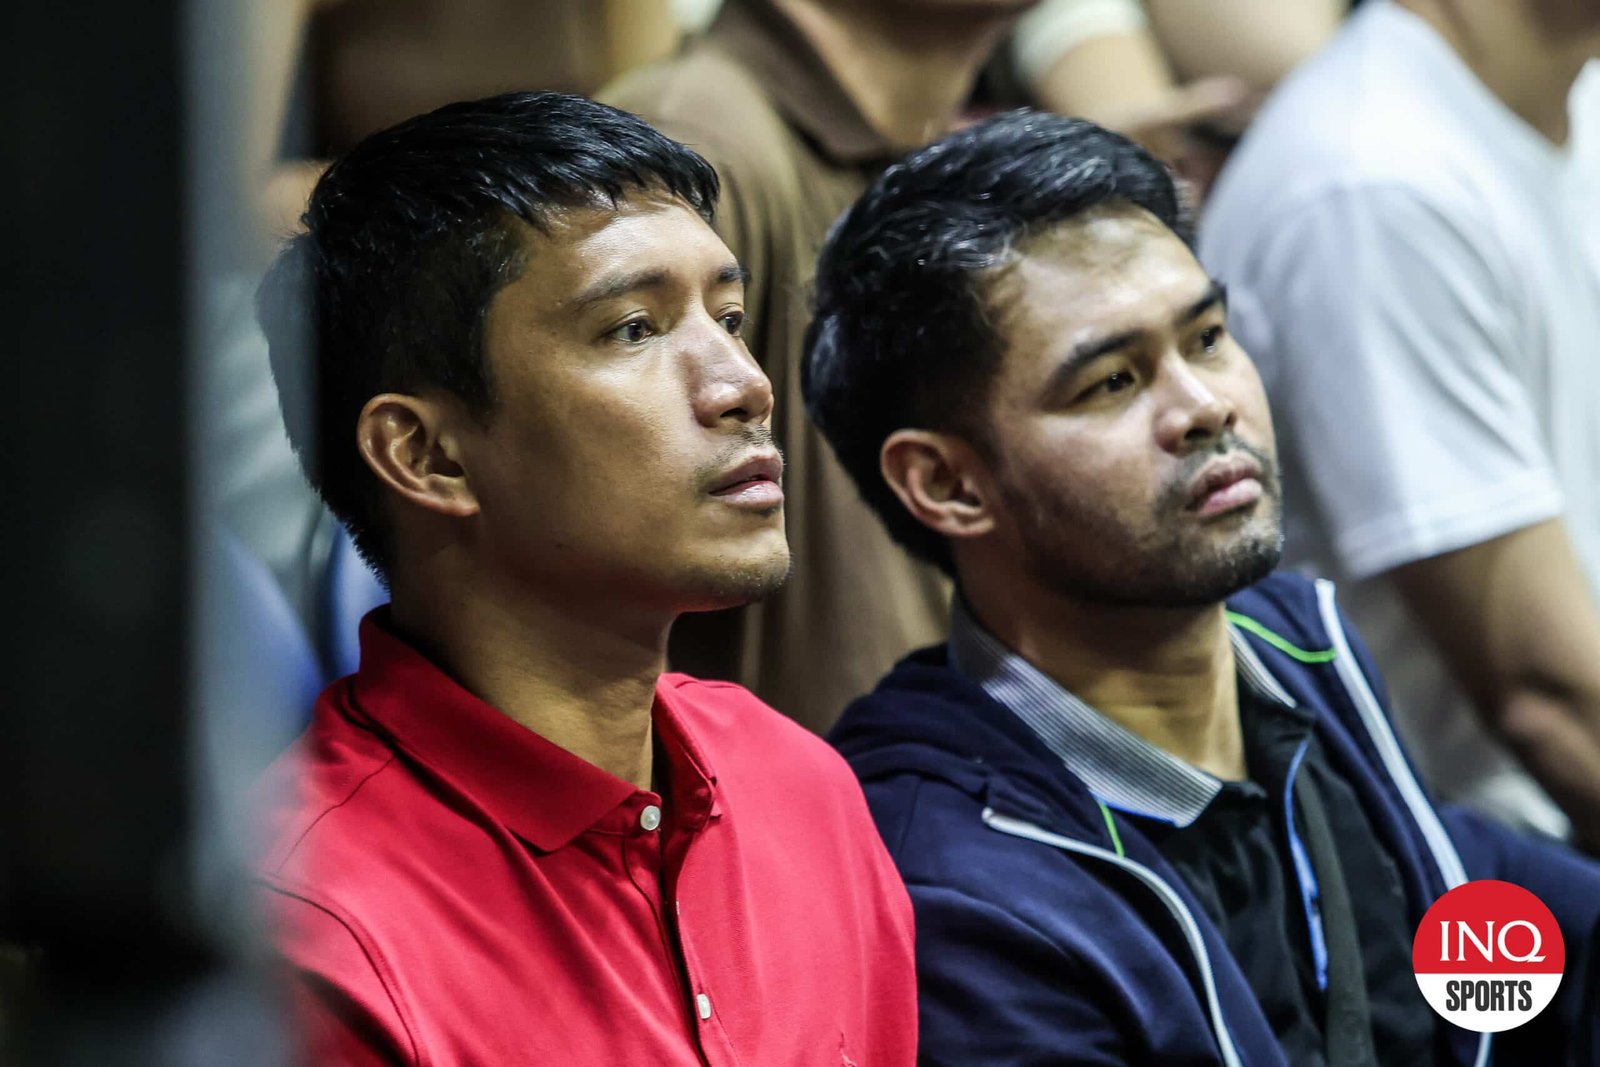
point(1147, 799)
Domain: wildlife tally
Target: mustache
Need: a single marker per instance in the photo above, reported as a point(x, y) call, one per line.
point(1174, 494)
point(750, 438)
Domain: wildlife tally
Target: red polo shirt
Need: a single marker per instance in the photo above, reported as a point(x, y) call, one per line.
point(452, 889)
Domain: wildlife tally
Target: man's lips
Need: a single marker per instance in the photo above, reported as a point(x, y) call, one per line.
point(1225, 485)
point(753, 483)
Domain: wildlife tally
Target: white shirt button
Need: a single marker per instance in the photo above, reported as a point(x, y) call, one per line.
point(650, 817)
point(702, 1004)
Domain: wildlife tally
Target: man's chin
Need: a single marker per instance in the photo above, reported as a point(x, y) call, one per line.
point(1176, 576)
point(735, 584)
point(1225, 577)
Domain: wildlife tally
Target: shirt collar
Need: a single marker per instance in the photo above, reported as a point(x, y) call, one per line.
point(797, 81)
point(1120, 768)
point(540, 791)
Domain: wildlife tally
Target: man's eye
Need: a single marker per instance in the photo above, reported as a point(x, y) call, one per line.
point(733, 322)
point(1115, 382)
point(632, 332)
point(1210, 338)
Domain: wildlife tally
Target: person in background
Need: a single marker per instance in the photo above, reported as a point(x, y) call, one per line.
point(798, 104)
point(1180, 78)
point(326, 73)
point(1411, 238)
point(1146, 799)
point(510, 837)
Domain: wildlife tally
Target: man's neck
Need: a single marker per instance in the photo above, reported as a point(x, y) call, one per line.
point(909, 77)
point(577, 678)
point(1513, 56)
point(1166, 675)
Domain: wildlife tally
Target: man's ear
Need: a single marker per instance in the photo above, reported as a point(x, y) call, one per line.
point(939, 479)
point(411, 445)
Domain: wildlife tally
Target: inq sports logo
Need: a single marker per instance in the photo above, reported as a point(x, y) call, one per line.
point(1488, 956)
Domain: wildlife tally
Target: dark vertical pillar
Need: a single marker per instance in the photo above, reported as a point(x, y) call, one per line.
point(96, 822)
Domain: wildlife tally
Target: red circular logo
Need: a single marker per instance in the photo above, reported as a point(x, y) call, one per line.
point(1488, 956)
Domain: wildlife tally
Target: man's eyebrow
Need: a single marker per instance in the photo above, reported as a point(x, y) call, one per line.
point(1216, 294)
point(621, 285)
point(1086, 352)
point(650, 278)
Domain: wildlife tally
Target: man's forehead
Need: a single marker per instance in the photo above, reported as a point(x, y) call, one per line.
point(1105, 237)
point(1107, 268)
point(583, 246)
point(641, 216)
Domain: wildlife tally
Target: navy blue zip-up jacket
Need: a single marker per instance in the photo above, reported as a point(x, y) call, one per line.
point(1038, 943)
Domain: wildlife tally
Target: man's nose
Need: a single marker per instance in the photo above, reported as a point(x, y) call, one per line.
point(728, 382)
point(1193, 412)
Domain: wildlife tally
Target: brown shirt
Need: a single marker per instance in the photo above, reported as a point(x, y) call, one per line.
point(372, 63)
point(793, 152)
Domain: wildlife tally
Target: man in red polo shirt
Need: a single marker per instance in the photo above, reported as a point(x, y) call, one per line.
point(509, 838)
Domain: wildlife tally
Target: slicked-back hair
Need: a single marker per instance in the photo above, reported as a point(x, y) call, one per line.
point(407, 239)
point(902, 336)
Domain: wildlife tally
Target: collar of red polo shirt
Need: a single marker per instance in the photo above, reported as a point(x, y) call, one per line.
point(542, 792)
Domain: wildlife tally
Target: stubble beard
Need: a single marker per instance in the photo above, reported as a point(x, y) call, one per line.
point(733, 585)
point(1087, 555)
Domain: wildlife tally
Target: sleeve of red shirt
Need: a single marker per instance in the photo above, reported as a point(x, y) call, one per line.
point(345, 1013)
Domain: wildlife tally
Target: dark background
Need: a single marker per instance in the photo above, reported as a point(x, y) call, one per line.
point(110, 956)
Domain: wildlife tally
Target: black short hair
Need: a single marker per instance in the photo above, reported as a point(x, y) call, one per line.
point(901, 335)
point(407, 239)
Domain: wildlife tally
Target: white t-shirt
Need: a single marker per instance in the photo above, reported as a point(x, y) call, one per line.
point(1417, 273)
point(1053, 28)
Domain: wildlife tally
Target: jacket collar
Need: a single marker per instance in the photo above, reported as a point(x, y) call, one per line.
point(929, 719)
point(1119, 767)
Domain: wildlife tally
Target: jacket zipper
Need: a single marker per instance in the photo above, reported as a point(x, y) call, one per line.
point(1306, 875)
point(1427, 820)
point(1005, 824)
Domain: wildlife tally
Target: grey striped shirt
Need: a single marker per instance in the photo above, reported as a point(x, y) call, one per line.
point(1122, 769)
